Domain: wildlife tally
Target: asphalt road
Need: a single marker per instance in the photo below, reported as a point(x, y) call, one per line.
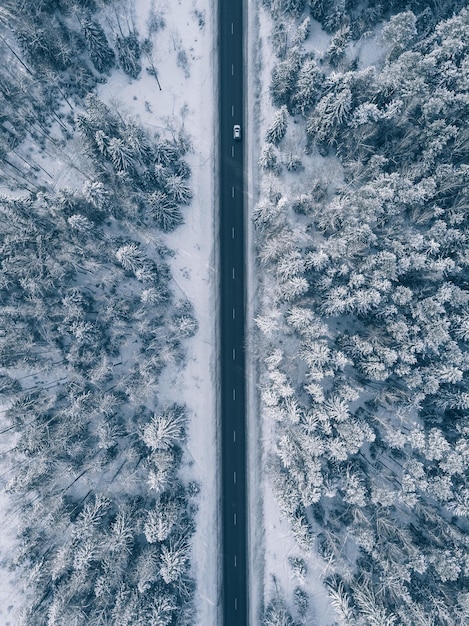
point(232, 312)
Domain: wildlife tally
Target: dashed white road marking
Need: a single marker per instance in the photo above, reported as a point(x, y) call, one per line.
point(234, 354)
point(234, 394)
point(232, 232)
point(234, 478)
point(232, 192)
point(234, 519)
point(234, 313)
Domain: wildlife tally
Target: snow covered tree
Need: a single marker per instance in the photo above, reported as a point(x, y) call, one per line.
point(335, 16)
point(299, 568)
point(166, 152)
point(268, 159)
point(302, 32)
point(399, 32)
point(80, 224)
point(135, 137)
point(160, 522)
point(290, 7)
point(276, 614)
point(374, 613)
point(101, 55)
point(122, 531)
point(129, 53)
point(161, 471)
point(96, 193)
point(337, 47)
point(174, 560)
point(184, 325)
point(166, 429)
point(284, 77)
point(341, 602)
point(278, 127)
point(279, 39)
point(130, 257)
point(162, 610)
point(292, 288)
point(294, 163)
point(331, 111)
point(165, 211)
point(289, 265)
point(120, 154)
point(178, 189)
point(45, 44)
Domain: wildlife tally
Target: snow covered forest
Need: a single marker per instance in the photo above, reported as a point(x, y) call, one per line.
point(362, 245)
point(91, 321)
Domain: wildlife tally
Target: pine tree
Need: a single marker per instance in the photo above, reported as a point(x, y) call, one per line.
point(290, 7)
point(129, 53)
point(121, 155)
point(165, 211)
point(331, 111)
point(130, 257)
point(292, 288)
point(276, 614)
point(80, 223)
point(374, 613)
point(178, 190)
point(268, 159)
point(302, 32)
point(278, 128)
point(341, 602)
point(96, 193)
point(283, 80)
point(101, 55)
point(135, 138)
point(294, 164)
point(336, 50)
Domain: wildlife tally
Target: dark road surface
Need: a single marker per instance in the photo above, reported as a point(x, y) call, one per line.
point(232, 337)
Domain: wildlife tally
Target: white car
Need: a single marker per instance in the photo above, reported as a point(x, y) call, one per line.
point(237, 132)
